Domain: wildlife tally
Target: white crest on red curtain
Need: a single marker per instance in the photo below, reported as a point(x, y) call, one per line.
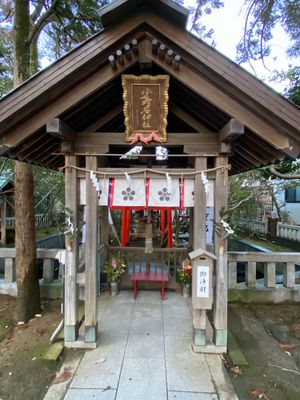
point(160, 195)
point(129, 193)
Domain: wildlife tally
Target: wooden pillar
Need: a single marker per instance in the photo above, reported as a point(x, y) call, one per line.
point(199, 229)
point(91, 252)
point(104, 228)
point(3, 220)
point(70, 300)
point(124, 227)
point(170, 230)
point(220, 301)
point(162, 223)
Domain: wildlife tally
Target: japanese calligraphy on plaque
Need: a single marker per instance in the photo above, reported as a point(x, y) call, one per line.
point(145, 107)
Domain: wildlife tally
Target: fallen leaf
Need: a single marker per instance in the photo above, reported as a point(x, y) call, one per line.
point(39, 331)
point(9, 336)
point(236, 370)
point(24, 348)
point(286, 347)
point(258, 394)
point(49, 376)
point(9, 364)
point(296, 327)
point(64, 376)
point(100, 360)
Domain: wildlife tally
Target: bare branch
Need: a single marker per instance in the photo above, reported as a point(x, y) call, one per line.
point(233, 207)
point(285, 369)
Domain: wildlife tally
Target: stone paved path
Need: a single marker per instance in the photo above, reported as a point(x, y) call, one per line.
point(145, 353)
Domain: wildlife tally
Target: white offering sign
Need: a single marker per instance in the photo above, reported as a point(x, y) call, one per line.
point(203, 281)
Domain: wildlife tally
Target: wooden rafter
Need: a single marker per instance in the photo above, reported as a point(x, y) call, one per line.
point(104, 119)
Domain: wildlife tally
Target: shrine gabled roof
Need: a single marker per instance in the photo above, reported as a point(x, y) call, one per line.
point(206, 91)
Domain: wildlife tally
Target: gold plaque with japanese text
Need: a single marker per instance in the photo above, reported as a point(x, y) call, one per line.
point(145, 106)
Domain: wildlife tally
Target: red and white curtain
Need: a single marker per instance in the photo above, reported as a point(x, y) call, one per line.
point(164, 193)
point(143, 193)
point(127, 192)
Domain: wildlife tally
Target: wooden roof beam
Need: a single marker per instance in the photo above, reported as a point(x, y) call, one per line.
point(239, 147)
point(231, 131)
point(60, 130)
point(25, 153)
point(63, 132)
point(105, 119)
point(51, 111)
point(188, 119)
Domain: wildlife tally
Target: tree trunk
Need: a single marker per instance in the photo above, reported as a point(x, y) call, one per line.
point(21, 45)
point(28, 301)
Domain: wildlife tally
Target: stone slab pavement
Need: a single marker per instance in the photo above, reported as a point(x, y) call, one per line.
point(144, 353)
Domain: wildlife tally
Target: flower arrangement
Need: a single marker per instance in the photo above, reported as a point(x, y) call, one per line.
point(115, 267)
point(184, 272)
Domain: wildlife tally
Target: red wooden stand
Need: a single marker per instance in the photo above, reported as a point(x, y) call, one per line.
point(150, 277)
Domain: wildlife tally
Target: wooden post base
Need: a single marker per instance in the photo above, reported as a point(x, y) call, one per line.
point(220, 337)
point(90, 334)
point(71, 333)
point(199, 338)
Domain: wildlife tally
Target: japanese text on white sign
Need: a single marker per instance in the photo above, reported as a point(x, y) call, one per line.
point(202, 281)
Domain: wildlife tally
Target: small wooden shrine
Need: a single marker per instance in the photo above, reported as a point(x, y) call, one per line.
point(146, 81)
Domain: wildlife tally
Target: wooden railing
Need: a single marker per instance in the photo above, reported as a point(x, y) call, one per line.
point(286, 231)
point(273, 268)
point(160, 258)
point(270, 265)
point(47, 257)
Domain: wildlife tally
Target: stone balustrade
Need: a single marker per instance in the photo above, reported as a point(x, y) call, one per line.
point(263, 277)
point(286, 231)
point(40, 219)
point(261, 272)
point(47, 256)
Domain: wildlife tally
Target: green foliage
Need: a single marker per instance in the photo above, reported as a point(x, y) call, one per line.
point(262, 16)
point(49, 193)
point(255, 194)
point(6, 62)
point(284, 167)
point(291, 78)
point(72, 22)
point(56, 26)
point(293, 90)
